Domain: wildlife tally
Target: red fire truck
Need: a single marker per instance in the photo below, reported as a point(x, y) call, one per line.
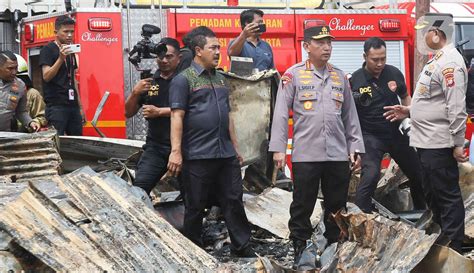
point(107, 34)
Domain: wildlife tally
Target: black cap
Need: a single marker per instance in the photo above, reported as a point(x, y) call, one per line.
point(318, 32)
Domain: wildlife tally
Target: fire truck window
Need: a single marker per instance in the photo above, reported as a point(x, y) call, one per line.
point(466, 32)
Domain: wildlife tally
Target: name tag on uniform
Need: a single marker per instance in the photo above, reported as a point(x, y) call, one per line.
point(71, 94)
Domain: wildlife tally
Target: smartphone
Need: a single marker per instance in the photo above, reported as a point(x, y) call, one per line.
point(74, 48)
point(262, 28)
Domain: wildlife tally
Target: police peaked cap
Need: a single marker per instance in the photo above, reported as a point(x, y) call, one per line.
point(441, 21)
point(318, 32)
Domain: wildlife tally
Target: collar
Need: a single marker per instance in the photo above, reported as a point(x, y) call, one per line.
point(254, 45)
point(310, 67)
point(158, 75)
point(200, 70)
point(369, 76)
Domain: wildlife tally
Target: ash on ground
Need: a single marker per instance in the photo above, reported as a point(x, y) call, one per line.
point(217, 243)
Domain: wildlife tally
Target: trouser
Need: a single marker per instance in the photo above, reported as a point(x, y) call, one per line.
point(65, 119)
point(406, 158)
point(443, 195)
point(223, 177)
point(334, 178)
point(152, 166)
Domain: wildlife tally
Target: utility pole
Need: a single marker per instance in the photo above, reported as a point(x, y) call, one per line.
point(422, 7)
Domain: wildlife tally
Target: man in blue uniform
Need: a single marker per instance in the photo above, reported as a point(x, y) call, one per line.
point(326, 136)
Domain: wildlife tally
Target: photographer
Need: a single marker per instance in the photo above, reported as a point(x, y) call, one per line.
point(248, 43)
point(152, 95)
point(58, 64)
point(375, 86)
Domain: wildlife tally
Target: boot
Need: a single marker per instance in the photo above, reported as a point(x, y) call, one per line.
point(298, 246)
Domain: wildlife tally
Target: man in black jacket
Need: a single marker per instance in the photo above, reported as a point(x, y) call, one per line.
point(58, 63)
point(152, 95)
point(375, 86)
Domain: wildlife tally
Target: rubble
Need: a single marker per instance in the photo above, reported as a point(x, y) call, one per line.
point(78, 151)
point(469, 218)
point(28, 156)
point(96, 221)
point(84, 221)
point(377, 244)
point(441, 259)
point(270, 211)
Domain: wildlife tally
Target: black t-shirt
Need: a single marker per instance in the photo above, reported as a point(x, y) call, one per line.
point(158, 128)
point(56, 91)
point(384, 91)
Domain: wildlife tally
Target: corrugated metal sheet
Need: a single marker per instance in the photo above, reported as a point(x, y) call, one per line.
point(271, 211)
point(87, 222)
point(249, 100)
point(28, 156)
point(469, 218)
point(442, 259)
point(377, 244)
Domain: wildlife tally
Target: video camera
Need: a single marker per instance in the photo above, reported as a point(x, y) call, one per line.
point(147, 49)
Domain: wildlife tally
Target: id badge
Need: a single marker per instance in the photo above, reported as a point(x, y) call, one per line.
point(71, 94)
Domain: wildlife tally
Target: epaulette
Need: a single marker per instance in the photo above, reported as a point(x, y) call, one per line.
point(438, 55)
point(332, 67)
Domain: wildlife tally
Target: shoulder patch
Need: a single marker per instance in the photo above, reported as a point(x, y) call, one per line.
point(448, 74)
point(448, 70)
point(438, 55)
point(392, 85)
point(286, 78)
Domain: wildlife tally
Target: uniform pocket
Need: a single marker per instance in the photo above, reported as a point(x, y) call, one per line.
point(338, 98)
point(4, 100)
point(307, 99)
point(12, 102)
point(423, 87)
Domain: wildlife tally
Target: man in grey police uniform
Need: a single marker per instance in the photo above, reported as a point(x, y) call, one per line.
point(326, 135)
point(438, 114)
point(12, 94)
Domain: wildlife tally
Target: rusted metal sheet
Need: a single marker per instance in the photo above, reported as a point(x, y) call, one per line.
point(250, 108)
point(469, 218)
point(466, 179)
point(79, 151)
point(271, 211)
point(28, 156)
point(87, 222)
point(442, 259)
point(377, 244)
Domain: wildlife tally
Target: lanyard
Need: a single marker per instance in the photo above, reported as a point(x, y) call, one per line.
point(69, 63)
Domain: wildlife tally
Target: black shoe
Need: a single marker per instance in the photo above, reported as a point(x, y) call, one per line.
point(246, 252)
point(298, 246)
